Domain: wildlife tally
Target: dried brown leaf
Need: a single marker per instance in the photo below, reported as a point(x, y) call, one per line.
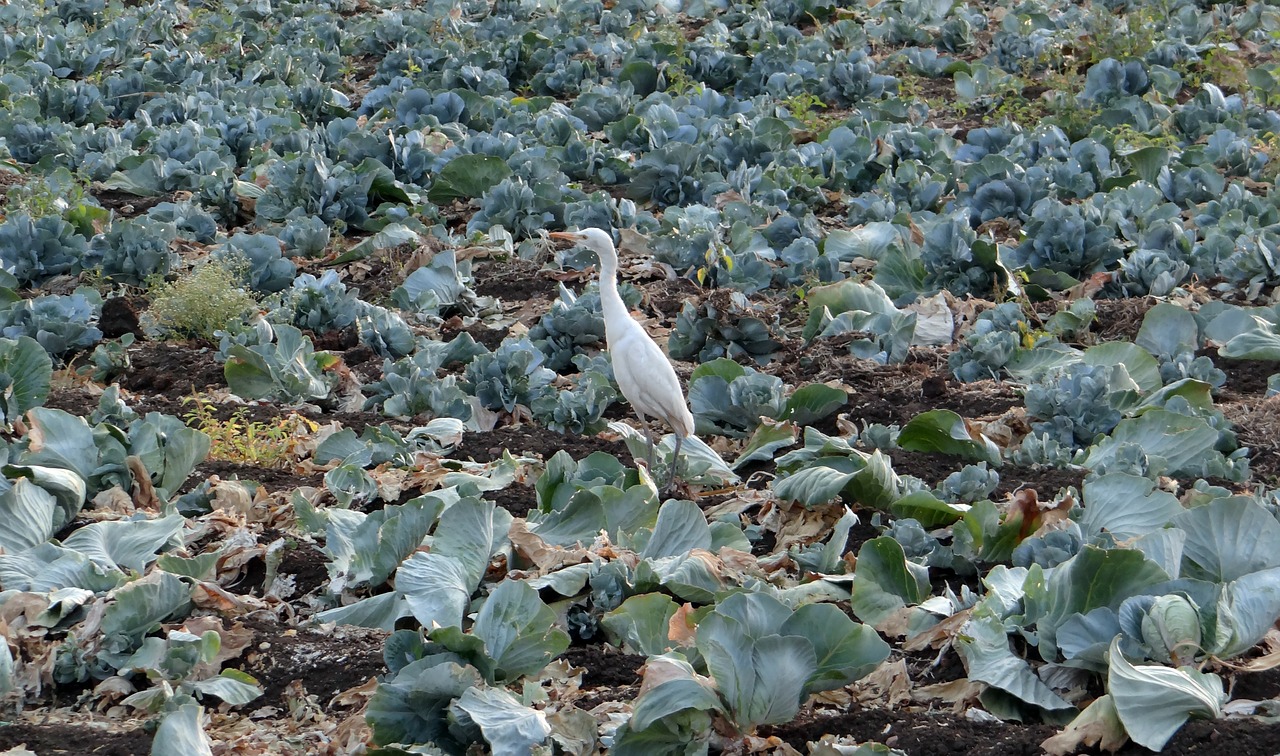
point(206, 595)
point(233, 496)
point(545, 557)
point(961, 694)
point(357, 695)
point(1097, 726)
point(681, 627)
point(940, 635)
point(889, 682)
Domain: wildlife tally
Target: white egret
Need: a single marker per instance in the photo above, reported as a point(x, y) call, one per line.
point(641, 368)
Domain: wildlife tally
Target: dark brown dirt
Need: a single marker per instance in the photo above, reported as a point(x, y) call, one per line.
point(375, 277)
point(512, 280)
point(71, 399)
point(488, 337)
point(9, 179)
point(940, 580)
point(668, 297)
point(266, 412)
point(365, 363)
point(919, 734)
point(862, 532)
point(1264, 465)
point(359, 355)
point(327, 663)
point(173, 368)
point(127, 205)
point(606, 666)
point(77, 401)
point(183, 406)
point(618, 411)
point(515, 498)
point(927, 668)
point(74, 739)
point(767, 544)
point(925, 734)
point(335, 341)
point(523, 439)
point(798, 363)
point(407, 494)
point(1257, 425)
point(940, 95)
point(1245, 377)
point(1257, 686)
point(893, 394)
point(358, 421)
point(1046, 481)
point(931, 467)
point(250, 580)
point(1203, 738)
point(606, 695)
point(899, 404)
point(1120, 319)
point(307, 563)
point(1188, 481)
point(120, 316)
point(274, 480)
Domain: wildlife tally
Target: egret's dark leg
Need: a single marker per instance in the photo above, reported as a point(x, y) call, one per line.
point(648, 436)
point(675, 461)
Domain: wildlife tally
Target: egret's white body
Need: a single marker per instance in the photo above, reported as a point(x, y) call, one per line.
point(640, 366)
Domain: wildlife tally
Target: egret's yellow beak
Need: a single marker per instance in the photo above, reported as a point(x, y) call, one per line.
point(570, 236)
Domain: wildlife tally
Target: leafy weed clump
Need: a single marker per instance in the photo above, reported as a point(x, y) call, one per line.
point(241, 440)
point(54, 194)
point(197, 305)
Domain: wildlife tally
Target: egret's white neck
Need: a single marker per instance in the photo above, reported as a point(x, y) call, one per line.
point(608, 265)
point(610, 300)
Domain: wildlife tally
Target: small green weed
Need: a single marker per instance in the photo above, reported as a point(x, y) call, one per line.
point(244, 441)
point(1132, 35)
point(808, 110)
point(1217, 66)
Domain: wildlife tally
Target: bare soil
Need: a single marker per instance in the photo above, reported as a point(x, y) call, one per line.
point(120, 316)
point(539, 442)
point(173, 369)
point(1120, 319)
point(1245, 377)
point(490, 338)
point(72, 400)
point(937, 734)
point(73, 739)
point(894, 394)
point(308, 566)
point(1047, 481)
point(861, 533)
point(512, 280)
point(128, 205)
point(516, 499)
point(605, 666)
point(933, 468)
point(273, 479)
point(326, 661)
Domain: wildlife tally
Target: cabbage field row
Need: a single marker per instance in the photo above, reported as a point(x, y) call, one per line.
point(311, 444)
